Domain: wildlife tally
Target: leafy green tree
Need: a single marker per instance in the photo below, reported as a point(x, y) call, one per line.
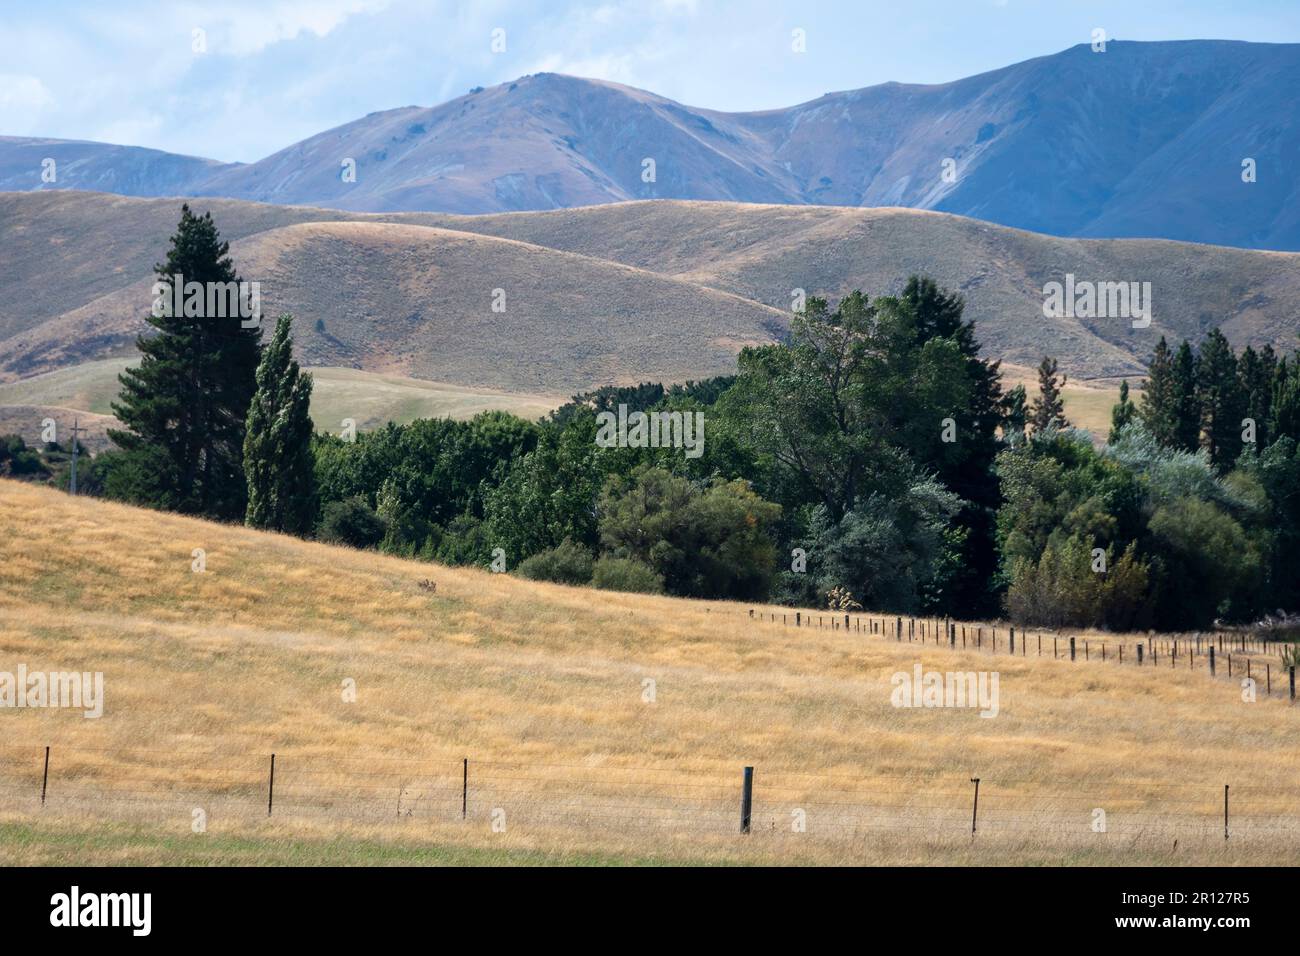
point(710, 542)
point(278, 462)
point(549, 494)
point(428, 474)
point(184, 407)
point(803, 407)
point(1210, 568)
point(894, 554)
point(1277, 471)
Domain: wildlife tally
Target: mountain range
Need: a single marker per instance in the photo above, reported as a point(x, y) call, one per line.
point(1141, 140)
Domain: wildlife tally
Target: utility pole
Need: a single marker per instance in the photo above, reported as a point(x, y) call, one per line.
point(75, 432)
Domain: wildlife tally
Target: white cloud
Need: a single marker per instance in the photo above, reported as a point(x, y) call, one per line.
point(240, 29)
point(23, 100)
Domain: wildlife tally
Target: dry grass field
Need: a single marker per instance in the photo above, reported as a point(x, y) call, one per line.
point(572, 756)
point(87, 392)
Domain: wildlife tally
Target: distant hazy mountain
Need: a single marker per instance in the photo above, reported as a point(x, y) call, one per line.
point(1143, 140)
point(101, 167)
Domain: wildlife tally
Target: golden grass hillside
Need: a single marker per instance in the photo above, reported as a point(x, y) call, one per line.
point(457, 307)
point(598, 727)
point(616, 293)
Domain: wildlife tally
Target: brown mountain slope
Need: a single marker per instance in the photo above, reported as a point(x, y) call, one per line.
point(608, 293)
point(765, 252)
point(416, 300)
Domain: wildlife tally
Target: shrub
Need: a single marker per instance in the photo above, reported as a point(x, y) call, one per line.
point(566, 563)
point(702, 542)
point(351, 522)
point(16, 458)
point(626, 574)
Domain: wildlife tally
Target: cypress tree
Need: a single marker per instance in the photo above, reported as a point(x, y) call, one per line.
point(1123, 412)
point(1187, 413)
point(185, 405)
point(278, 460)
point(1048, 409)
point(1222, 401)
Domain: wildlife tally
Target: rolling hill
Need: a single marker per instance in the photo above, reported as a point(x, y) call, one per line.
point(1141, 140)
point(599, 727)
point(606, 294)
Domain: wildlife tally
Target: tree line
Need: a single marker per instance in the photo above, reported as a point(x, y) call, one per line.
point(872, 457)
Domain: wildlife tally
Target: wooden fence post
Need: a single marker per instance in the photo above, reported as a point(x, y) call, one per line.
point(1071, 648)
point(1211, 660)
point(45, 778)
point(464, 789)
point(270, 792)
point(746, 799)
point(975, 809)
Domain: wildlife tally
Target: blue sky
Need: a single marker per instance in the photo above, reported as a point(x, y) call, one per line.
point(276, 71)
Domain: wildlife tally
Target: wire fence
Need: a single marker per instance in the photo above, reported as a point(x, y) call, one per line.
point(161, 784)
point(1226, 655)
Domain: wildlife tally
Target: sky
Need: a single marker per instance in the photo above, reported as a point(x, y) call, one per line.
point(236, 80)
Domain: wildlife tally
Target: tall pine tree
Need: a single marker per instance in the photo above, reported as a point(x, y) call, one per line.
point(1157, 407)
point(1186, 399)
point(1222, 400)
point(185, 405)
point(1284, 411)
point(277, 448)
point(1255, 372)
